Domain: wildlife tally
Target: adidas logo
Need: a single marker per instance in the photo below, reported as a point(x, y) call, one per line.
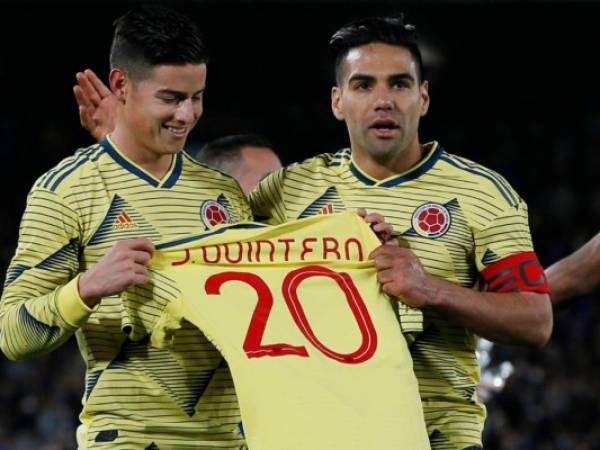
point(327, 209)
point(123, 222)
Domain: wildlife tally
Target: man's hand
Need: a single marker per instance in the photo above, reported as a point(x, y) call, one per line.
point(97, 104)
point(378, 224)
point(400, 273)
point(123, 266)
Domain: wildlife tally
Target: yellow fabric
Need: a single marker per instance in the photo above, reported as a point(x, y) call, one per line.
point(70, 305)
point(484, 220)
point(134, 395)
point(351, 386)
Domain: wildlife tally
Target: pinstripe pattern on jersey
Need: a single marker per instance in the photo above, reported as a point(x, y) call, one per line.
point(14, 272)
point(162, 367)
point(328, 203)
point(148, 396)
point(489, 257)
point(37, 331)
point(488, 222)
point(132, 225)
point(90, 382)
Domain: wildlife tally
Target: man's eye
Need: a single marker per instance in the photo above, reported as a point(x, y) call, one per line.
point(400, 85)
point(169, 100)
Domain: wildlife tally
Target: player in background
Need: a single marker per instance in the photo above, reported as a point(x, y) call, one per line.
point(575, 275)
point(87, 234)
point(459, 223)
point(246, 157)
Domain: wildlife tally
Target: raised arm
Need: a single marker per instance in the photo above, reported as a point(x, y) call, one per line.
point(577, 274)
point(97, 104)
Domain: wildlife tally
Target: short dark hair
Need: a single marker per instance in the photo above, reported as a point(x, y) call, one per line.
point(224, 152)
point(387, 30)
point(148, 36)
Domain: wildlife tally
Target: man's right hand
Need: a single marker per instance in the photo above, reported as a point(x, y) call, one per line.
point(97, 104)
point(123, 266)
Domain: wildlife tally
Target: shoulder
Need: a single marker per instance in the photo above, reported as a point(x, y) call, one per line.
point(69, 171)
point(486, 182)
point(322, 163)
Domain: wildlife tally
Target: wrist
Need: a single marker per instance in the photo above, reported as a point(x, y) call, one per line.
point(86, 294)
point(428, 293)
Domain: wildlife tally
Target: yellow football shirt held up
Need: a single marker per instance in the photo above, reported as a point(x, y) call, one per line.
point(316, 350)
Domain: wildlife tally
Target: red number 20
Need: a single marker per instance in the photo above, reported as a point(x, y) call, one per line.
point(253, 345)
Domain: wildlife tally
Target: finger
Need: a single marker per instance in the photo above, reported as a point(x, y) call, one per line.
point(382, 262)
point(139, 279)
point(142, 244)
point(85, 118)
point(380, 251)
point(141, 257)
point(386, 277)
point(99, 86)
point(385, 228)
point(80, 96)
point(89, 90)
point(393, 242)
point(362, 212)
point(374, 218)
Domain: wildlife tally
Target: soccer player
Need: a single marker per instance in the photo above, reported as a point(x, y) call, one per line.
point(246, 157)
point(87, 234)
point(458, 223)
point(575, 275)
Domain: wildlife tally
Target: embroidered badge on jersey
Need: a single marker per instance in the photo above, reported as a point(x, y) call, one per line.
point(431, 220)
point(213, 213)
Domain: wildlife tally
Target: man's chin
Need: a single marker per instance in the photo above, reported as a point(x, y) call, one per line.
point(383, 149)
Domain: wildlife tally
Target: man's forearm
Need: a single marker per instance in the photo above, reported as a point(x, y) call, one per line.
point(577, 274)
point(523, 318)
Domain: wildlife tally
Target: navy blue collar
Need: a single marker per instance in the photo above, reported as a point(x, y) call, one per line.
point(415, 172)
point(167, 182)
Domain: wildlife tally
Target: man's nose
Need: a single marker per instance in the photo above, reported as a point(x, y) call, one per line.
point(384, 101)
point(185, 111)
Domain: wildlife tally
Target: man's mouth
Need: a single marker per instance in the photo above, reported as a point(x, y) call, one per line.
point(384, 128)
point(178, 132)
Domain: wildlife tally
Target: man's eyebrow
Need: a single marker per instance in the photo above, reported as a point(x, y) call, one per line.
point(175, 93)
point(361, 77)
point(401, 77)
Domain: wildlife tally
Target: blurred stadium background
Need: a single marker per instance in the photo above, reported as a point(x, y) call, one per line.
point(514, 85)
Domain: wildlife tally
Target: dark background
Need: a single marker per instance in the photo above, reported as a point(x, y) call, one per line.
point(514, 86)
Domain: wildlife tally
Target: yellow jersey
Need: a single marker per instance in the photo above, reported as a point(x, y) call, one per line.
point(316, 350)
point(458, 217)
point(136, 396)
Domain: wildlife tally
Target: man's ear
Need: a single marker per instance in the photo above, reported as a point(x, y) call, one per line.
point(119, 83)
point(336, 103)
point(424, 92)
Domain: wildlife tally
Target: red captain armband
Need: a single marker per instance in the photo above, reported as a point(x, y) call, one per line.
point(517, 273)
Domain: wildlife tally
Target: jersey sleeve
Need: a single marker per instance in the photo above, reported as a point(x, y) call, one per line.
point(40, 306)
point(504, 253)
point(144, 305)
point(266, 200)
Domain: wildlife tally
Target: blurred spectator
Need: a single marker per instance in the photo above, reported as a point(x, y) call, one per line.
point(246, 157)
